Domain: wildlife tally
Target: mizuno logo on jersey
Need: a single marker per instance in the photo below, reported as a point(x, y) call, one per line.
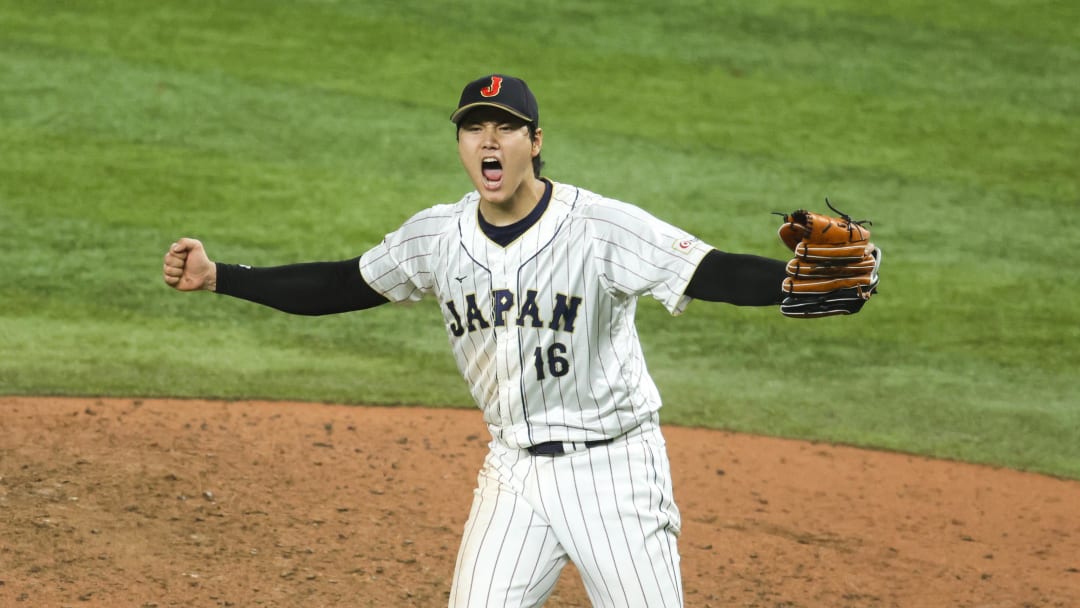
point(528, 314)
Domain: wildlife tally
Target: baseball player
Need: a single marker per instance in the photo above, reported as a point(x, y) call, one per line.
point(538, 282)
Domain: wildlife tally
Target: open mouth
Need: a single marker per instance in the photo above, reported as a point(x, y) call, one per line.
point(492, 171)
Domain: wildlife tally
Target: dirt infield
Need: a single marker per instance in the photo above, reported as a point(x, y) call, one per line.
point(121, 502)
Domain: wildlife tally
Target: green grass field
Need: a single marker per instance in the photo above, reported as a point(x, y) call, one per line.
point(283, 131)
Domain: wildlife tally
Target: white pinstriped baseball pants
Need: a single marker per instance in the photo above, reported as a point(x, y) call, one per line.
point(609, 509)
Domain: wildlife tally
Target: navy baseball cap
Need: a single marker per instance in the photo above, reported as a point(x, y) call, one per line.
point(498, 91)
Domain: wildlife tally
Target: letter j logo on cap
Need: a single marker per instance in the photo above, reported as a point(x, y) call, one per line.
point(493, 89)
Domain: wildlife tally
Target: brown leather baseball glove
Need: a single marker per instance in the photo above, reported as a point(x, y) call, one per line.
point(835, 268)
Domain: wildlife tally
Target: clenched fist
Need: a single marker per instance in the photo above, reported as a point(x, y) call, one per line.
point(187, 267)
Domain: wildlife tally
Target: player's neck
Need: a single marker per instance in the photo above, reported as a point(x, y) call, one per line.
point(515, 208)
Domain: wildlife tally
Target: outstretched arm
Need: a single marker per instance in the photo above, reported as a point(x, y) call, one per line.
point(314, 288)
point(738, 278)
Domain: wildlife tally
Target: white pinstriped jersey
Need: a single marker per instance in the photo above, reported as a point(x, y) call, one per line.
point(543, 329)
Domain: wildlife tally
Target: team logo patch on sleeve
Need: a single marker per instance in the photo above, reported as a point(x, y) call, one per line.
point(684, 245)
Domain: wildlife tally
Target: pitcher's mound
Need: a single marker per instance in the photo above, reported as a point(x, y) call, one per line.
point(153, 503)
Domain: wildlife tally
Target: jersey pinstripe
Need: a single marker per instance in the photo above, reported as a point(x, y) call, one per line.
point(543, 329)
point(608, 509)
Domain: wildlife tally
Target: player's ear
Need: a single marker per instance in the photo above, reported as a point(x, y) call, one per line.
point(537, 141)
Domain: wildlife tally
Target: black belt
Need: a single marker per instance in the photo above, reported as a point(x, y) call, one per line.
point(558, 448)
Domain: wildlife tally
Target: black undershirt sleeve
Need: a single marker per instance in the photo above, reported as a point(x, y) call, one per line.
point(322, 288)
point(738, 278)
point(313, 288)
